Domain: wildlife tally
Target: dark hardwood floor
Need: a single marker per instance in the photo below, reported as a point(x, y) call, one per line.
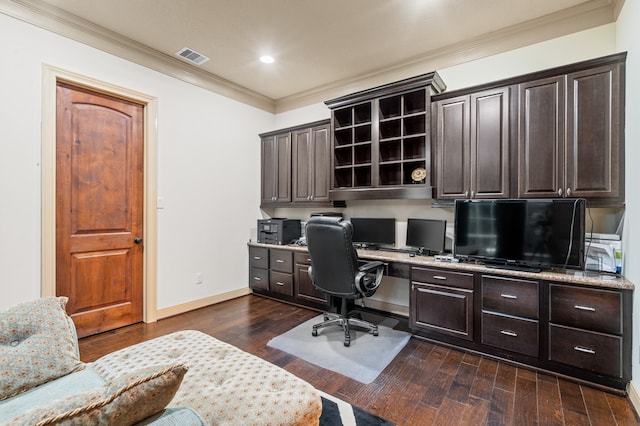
point(425, 384)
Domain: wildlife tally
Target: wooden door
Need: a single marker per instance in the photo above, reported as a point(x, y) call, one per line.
point(541, 138)
point(453, 149)
point(99, 208)
point(593, 133)
point(489, 139)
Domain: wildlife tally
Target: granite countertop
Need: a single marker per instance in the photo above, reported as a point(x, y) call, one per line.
point(569, 276)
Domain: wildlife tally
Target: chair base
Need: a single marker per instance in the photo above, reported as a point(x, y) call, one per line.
point(345, 321)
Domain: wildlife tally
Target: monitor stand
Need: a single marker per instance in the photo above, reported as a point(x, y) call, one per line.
point(512, 267)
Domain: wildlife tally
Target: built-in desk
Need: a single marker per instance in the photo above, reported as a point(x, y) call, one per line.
point(575, 324)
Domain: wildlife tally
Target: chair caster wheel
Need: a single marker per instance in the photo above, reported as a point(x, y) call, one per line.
point(347, 343)
point(326, 318)
point(314, 333)
point(375, 332)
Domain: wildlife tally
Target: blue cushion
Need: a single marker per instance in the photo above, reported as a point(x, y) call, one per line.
point(71, 384)
point(182, 416)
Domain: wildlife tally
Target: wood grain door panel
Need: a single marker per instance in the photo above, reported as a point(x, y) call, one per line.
point(99, 208)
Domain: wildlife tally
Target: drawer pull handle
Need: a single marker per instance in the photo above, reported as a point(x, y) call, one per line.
point(308, 259)
point(585, 308)
point(280, 283)
point(439, 277)
point(257, 279)
point(509, 333)
point(279, 261)
point(508, 296)
point(257, 257)
point(584, 350)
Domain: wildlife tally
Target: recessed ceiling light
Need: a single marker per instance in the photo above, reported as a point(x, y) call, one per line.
point(267, 59)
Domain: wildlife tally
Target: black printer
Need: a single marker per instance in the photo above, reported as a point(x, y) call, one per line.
point(278, 230)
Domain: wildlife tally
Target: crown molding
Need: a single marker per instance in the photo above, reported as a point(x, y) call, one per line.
point(578, 18)
point(58, 21)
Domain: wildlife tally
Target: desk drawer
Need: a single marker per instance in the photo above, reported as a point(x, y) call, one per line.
point(259, 257)
point(597, 310)
point(442, 277)
point(510, 296)
point(302, 258)
point(513, 334)
point(588, 350)
point(281, 283)
point(259, 278)
point(281, 260)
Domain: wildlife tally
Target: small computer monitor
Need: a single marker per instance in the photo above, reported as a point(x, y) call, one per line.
point(427, 235)
point(373, 231)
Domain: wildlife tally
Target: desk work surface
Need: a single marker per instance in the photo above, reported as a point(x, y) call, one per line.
point(589, 278)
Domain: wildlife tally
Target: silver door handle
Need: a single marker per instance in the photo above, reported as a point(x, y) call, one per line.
point(508, 296)
point(509, 333)
point(584, 308)
point(584, 350)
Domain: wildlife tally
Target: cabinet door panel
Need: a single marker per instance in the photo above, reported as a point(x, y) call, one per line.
point(302, 164)
point(321, 163)
point(490, 144)
point(510, 296)
point(511, 333)
point(593, 114)
point(442, 309)
point(588, 350)
point(452, 140)
point(304, 288)
point(541, 138)
point(283, 182)
point(281, 283)
point(259, 278)
point(269, 169)
point(594, 309)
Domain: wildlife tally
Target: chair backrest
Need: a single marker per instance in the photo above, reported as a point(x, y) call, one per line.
point(334, 261)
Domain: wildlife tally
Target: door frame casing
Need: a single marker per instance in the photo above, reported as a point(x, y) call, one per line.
point(50, 77)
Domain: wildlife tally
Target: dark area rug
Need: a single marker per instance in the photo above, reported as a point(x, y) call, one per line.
point(336, 412)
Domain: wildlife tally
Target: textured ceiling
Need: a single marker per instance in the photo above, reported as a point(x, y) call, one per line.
point(315, 42)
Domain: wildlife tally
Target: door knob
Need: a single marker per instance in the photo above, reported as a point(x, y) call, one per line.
point(137, 240)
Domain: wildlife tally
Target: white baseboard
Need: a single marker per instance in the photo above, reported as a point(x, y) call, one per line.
point(634, 396)
point(201, 303)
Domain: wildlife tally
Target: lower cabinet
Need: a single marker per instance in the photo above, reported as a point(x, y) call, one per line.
point(569, 329)
point(282, 273)
point(510, 314)
point(442, 301)
point(586, 328)
point(304, 288)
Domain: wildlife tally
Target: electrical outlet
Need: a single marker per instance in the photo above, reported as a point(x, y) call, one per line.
point(199, 279)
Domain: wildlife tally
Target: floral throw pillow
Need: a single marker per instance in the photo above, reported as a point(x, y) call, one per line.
point(37, 344)
point(125, 401)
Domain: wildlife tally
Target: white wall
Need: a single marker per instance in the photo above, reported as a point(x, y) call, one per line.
point(628, 34)
point(205, 141)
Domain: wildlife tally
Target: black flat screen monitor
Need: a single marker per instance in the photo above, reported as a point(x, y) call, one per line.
point(521, 233)
point(427, 235)
point(373, 231)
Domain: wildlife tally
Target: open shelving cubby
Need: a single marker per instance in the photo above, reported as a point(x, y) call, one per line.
point(380, 136)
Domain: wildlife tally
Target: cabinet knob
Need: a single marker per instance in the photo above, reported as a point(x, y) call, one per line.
point(559, 192)
point(473, 193)
point(568, 192)
point(466, 194)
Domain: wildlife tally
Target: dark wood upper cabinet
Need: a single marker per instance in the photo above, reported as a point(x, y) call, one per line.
point(570, 141)
point(595, 167)
point(311, 158)
point(295, 166)
point(472, 145)
point(541, 138)
point(276, 168)
point(381, 141)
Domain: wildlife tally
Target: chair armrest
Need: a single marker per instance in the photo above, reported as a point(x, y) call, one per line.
point(369, 266)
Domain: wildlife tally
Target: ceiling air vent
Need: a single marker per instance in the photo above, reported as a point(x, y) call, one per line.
point(192, 56)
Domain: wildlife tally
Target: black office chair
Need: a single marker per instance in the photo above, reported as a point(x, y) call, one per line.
point(334, 270)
